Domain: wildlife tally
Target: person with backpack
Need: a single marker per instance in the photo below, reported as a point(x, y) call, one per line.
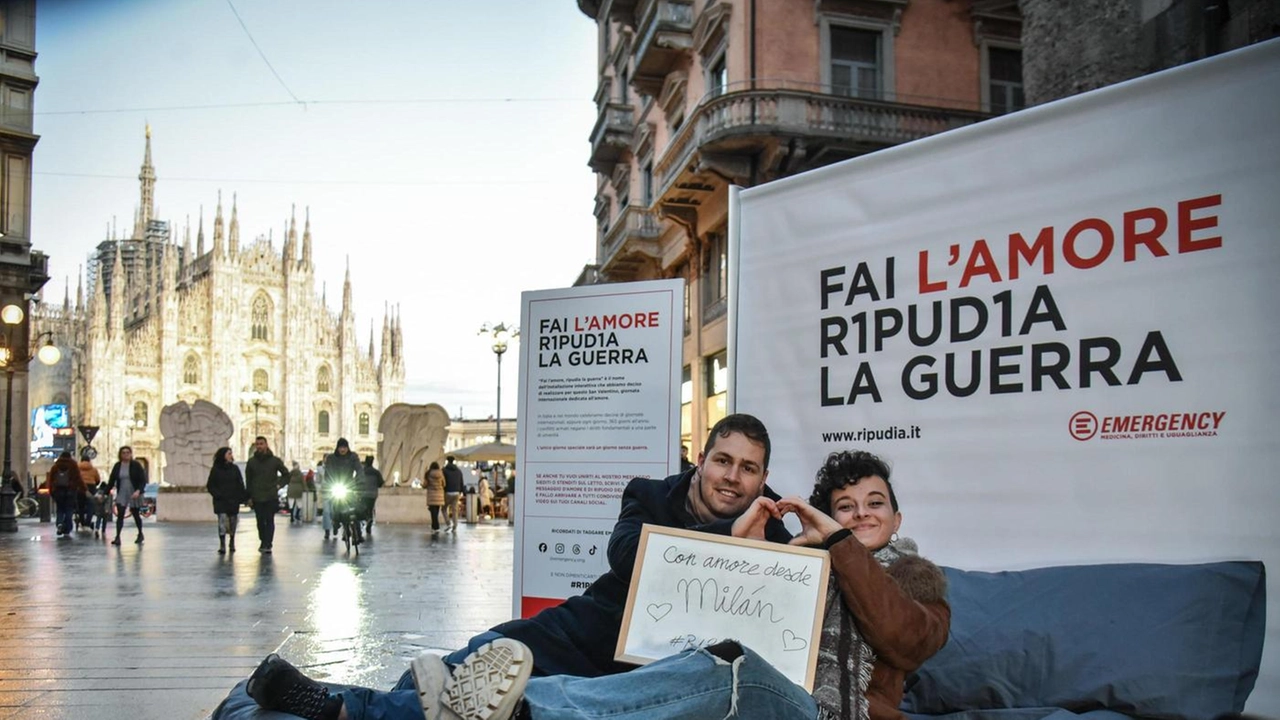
point(66, 487)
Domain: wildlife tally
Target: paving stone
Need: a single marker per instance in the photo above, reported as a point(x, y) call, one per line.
point(165, 629)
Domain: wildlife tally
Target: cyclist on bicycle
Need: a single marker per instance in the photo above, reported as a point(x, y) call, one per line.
point(342, 468)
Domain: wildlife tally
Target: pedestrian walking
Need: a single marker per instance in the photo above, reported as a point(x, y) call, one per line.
point(66, 488)
point(369, 491)
point(129, 480)
point(92, 479)
point(452, 492)
point(226, 485)
point(297, 483)
point(485, 497)
point(265, 474)
point(435, 495)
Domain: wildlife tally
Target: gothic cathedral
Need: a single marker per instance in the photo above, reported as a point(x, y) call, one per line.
point(239, 326)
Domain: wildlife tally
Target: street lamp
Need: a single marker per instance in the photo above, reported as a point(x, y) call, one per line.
point(501, 335)
point(13, 359)
point(256, 398)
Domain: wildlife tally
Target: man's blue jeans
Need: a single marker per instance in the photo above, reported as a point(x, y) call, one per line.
point(693, 685)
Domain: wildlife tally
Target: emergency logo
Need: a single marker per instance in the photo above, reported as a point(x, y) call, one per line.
point(1085, 425)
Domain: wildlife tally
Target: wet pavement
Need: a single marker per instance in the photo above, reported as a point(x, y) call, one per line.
point(165, 629)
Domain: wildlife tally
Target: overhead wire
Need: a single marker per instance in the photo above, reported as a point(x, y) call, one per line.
point(262, 54)
point(309, 103)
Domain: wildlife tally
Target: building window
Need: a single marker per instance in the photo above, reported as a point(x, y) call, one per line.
point(1004, 80)
point(646, 184)
point(717, 373)
point(717, 76)
point(16, 183)
point(856, 62)
point(323, 379)
point(364, 423)
point(686, 405)
point(622, 85)
point(191, 370)
point(260, 383)
point(261, 318)
point(322, 422)
point(140, 414)
point(715, 276)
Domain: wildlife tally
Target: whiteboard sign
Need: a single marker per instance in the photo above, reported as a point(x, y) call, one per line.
point(692, 589)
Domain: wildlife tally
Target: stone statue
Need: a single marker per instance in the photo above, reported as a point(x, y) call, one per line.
point(412, 436)
point(190, 434)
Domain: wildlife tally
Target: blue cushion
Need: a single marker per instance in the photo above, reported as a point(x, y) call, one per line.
point(1167, 641)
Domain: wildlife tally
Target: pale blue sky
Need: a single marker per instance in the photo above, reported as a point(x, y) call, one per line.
point(443, 148)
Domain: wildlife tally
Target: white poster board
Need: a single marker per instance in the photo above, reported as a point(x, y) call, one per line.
point(692, 589)
point(599, 405)
point(1058, 326)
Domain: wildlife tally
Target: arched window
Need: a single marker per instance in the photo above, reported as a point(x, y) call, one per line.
point(324, 379)
point(364, 423)
point(261, 318)
point(260, 383)
point(140, 414)
point(191, 370)
point(322, 422)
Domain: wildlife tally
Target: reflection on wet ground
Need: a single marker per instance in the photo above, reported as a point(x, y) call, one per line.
point(164, 629)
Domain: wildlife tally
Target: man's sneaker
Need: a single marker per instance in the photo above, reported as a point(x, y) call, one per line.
point(277, 685)
point(430, 675)
point(489, 684)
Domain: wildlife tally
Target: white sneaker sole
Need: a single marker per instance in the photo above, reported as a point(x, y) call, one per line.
point(430, 675)
point(488, 685)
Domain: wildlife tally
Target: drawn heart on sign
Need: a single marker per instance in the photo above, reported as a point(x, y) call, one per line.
point(657, 612)
point(791, 641)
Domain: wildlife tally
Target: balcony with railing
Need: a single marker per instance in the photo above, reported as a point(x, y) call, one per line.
point(744, 119)
point(611, 137)
point(665, 30)
point(630, 243)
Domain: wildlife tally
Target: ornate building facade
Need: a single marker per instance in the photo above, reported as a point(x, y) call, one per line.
point(697, 95)
point(241, 326)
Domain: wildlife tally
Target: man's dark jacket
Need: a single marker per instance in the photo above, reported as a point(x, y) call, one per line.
point(452, 478)
point(264, 475)
point(578, 636)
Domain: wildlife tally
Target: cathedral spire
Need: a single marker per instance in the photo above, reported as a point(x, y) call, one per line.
point(219, 245)
point(79, 289)
point(100, 300)
point(346, 289)
point(386, 332)
point(290, 256)
point(306, 243)
point(199, 236)
point(117, 289)
point(66, 298)
point(233, 242)
point(397, 338)
point(185, 258)
point(147, 179)
point(371, 341)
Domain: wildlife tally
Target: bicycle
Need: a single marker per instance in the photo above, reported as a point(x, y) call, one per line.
point(346, 514)
point(26, 507)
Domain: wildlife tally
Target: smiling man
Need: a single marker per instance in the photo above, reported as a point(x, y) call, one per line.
point(577, 637)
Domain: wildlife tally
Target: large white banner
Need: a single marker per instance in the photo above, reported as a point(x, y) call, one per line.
point(599, 405)
point(1058, 326)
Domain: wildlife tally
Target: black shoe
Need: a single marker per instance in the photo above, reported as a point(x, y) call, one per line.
point(138, 540)
point(326, 536)
point(277, 685)
point(116, 541)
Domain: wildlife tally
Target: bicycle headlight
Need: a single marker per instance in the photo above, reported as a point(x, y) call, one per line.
point(340, 492)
